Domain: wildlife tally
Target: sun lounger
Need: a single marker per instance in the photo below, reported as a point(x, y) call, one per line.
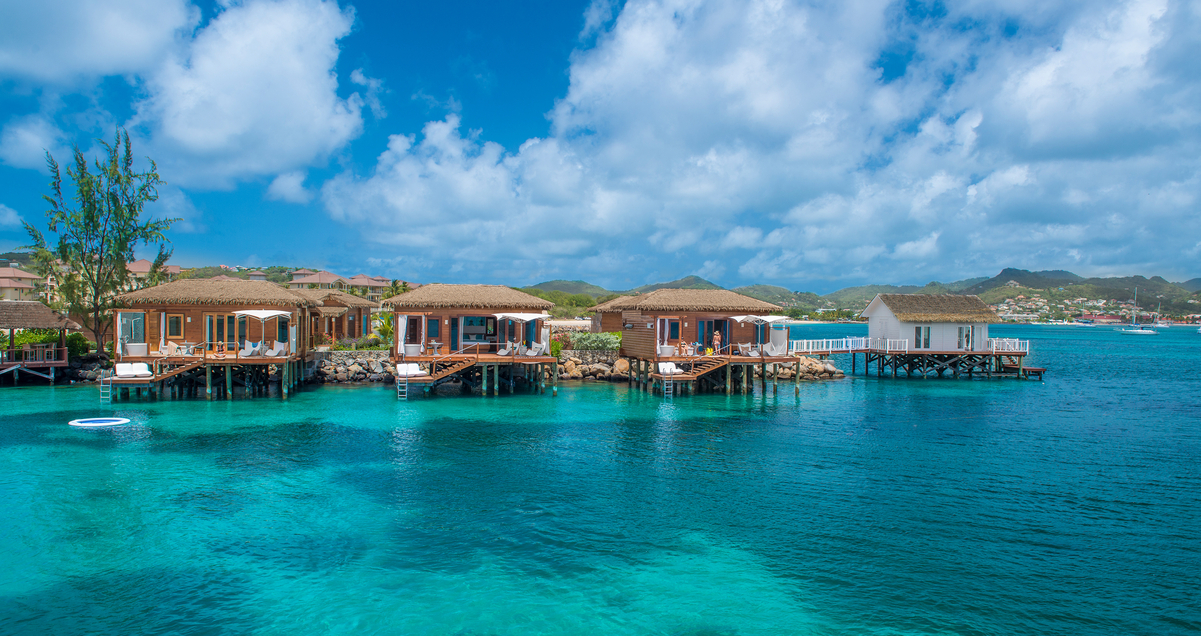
point(410, 370)
point(669, 368)
point(280, 349)
point(250, 349)
point(506, 351)
point(132, 370)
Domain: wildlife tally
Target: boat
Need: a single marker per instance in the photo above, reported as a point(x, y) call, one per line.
point(1135, 328)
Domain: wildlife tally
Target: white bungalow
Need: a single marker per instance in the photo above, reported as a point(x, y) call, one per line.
point(931, 323)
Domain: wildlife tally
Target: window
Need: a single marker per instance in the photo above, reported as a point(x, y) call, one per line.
point(921, 337)
point(281, 329)
point(132, 327)
point(175, 326)
point(433, 328)
point(673, 330)
point(965, 337)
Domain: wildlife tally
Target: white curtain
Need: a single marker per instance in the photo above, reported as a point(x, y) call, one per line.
point(402, 327)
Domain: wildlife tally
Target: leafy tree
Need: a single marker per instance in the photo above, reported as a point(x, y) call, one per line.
point(397, 288)
point(98, 230)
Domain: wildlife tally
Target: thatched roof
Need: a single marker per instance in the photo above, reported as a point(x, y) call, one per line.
point(613, 304)
point(939, 308)
point(335, 296)
point(442, 296)
point(210, 291)
point(330, 312)
point(719, 300)
point(31, 314)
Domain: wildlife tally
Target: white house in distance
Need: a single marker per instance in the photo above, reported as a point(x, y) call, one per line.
point(936, 323)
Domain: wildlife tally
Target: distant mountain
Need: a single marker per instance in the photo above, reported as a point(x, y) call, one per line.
point(1193, 285)
point(961, 285)
point(1050, 279)
point(780, 296)
point(573, 287)
point(688, 282)
point(861, 295)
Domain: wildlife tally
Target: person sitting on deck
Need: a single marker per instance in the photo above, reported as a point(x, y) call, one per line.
point(219, 350)
point(681, 348)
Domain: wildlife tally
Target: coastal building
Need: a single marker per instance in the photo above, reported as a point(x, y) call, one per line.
point(937, 333)
point(18, 284)
point(373, 287)
point(193, 327)
point(606, 316)
point(35, 359)
point(480, 335)
point(319, 280)
point(140, 272)
point(667, 335)
point(256, 275)
point(300, 273)
point(337, 315)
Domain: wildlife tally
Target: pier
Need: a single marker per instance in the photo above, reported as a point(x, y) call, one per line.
point(212, 375)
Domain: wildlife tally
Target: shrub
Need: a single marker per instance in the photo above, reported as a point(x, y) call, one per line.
point(77, 343)
point(366, 343)
point(596, 341)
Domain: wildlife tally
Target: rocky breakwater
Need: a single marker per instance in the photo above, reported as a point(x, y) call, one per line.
point(86, 368)
point(574, 368)
point(810, 369)
point(354, 369)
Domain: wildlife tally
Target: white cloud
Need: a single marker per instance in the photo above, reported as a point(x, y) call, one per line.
point(761, 136)
point(9, 217)
point(65, 40)
point(289, 187)
point(254, 93)
point(174, 204)
point(25, 141)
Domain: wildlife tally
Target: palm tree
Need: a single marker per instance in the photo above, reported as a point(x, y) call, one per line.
point(397, 288)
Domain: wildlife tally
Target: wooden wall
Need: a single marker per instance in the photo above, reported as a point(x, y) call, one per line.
point(639, 341)
point(193, 329)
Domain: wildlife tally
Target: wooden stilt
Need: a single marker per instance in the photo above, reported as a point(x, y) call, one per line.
point(208, 382)
point(554, 378)
point(796, 376)
point(229, 382)
point(729, 379)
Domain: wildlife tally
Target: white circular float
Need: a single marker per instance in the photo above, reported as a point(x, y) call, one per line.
point(99, 422)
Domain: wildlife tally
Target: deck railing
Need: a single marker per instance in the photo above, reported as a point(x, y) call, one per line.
point(35, 353)
point(1008, 345)
point(847, 345)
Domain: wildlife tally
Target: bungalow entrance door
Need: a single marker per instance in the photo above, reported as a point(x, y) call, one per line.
point(220, 328)
point(454, 334)
point(709, 327)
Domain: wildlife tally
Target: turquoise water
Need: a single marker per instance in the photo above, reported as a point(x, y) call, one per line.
point(864, 506)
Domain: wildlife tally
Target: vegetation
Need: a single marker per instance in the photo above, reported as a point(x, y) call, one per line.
point(77, 343)
point(97, 234)
point(587, 340)
point(572, 287)
point(688, 282)
point(366, 343)
point(566, 305)
point(781, 296)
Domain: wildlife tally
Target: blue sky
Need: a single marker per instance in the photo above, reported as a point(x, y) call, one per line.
point(810, 145)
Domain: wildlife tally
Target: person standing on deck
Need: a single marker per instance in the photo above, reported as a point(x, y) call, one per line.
point(716, 342)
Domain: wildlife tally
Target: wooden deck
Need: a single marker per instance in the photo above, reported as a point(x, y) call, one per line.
point(38, 360)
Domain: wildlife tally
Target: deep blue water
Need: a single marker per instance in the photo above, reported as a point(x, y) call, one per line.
point(863, 506)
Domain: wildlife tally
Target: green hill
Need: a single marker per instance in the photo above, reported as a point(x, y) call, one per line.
point(573, 287)
point(781, 296)
point(688, 282)
point(1193, 285)
point(1050, 279)
point(961, 285)
point(859, 297)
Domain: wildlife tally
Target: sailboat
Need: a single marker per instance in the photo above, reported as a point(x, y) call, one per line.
point(1159, 321)
point(1137, 329)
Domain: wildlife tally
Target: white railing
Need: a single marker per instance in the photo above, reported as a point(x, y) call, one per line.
point(846, 345)
point(1008, 345)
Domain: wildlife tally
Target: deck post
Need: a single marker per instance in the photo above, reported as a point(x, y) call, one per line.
point(208, 382)
point(729, 378)
point(229, 382)
point(554, 378)
point(483, 380)
point(852, 363)
point(284, 374)
point(796, 375)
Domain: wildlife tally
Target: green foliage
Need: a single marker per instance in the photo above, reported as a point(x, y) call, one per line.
point(571, 287)
point(555, 348)
point(587, 340)
point(77, 343)
point(366, 343)
point(98, 230)
point(383, 327)
point(688, 282)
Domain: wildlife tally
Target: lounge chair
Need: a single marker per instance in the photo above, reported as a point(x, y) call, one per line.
point(280, 349)
point(506, 351)
point(536, 350)
point(772, 350)
point(133, 370)
point(744, 349)
point(521, 349)
point(170, 349)
point(249, 349)
point(410, 370)
point(669, 368)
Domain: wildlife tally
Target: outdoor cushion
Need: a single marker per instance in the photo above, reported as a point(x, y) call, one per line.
point(410, 370)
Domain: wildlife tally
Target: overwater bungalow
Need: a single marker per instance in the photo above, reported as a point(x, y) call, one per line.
point(933, 334)
point(35, 359)
point(238, 328)
point(485, 336)
point(337, 315)
point(669, 337)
